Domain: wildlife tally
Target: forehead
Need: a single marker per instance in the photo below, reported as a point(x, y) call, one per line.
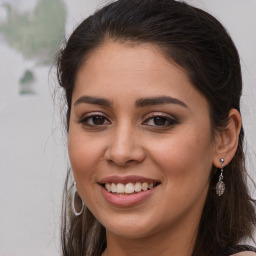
point(134, 70)
point(114, 57)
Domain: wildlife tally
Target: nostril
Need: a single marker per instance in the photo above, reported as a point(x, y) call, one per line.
point(123, 153)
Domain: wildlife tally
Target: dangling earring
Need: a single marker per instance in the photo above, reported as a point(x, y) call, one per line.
point(73, 194)
point(220, 186)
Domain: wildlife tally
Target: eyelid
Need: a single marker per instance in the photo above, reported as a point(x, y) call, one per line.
point(89, 115)
point(162, 114)
point(168, 117)
point(94, 113)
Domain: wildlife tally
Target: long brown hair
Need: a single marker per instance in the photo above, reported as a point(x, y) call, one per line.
point(196, 41)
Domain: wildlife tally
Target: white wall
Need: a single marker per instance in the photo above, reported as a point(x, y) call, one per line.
point(32, 154)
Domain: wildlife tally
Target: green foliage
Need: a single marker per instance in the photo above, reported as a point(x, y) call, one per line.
point(28, 77)
point(36, 35)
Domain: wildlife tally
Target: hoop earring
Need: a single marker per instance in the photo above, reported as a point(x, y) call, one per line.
point(73, 194)
point(220, 186)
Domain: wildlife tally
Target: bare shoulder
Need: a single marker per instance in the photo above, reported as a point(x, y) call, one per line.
point(245, 254)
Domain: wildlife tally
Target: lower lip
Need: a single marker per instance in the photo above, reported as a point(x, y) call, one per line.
point(127, 200)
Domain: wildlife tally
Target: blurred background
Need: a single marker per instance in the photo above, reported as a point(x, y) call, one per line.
point(33, 156)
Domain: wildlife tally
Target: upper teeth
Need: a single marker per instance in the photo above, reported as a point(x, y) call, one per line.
point(128, 188)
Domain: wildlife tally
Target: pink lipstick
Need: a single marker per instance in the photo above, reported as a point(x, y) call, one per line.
point(128, 191)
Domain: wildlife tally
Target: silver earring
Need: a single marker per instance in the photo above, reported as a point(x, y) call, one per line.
point(73, 194)
point(220, 186)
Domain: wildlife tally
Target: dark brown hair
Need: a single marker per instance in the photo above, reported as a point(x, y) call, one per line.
point(196, 41)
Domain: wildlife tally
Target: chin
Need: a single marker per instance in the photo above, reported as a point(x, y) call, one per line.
point(130, 232)
point(131, 227)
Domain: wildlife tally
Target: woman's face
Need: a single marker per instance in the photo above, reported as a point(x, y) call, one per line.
point(137, 122)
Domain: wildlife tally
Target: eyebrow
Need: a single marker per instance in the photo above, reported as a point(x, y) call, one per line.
point(143, 102)
point(158, 101)
point(93, 100)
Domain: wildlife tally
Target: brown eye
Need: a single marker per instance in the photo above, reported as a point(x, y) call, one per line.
point(94, 120)
point(98, 120)
point(160, 121)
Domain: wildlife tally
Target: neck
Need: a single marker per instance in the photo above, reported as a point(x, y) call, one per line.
point(178, 241)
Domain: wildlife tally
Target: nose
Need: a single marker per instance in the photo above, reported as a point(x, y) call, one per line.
point(125, 147)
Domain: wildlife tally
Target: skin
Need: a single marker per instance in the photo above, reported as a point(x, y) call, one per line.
point(245, 254)
point(180, 154)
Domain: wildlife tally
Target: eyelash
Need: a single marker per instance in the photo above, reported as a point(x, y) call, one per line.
point(171, 121)
point(85, 120)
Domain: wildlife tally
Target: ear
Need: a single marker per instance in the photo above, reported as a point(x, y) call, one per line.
point(226, 140)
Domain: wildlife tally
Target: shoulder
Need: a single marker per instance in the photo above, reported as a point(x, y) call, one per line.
point(248, 253)
point(240, 250)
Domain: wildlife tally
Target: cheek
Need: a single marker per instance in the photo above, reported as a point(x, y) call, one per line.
point(185, 163)
point(85, 158)
point(84, 153)
point(186, 160)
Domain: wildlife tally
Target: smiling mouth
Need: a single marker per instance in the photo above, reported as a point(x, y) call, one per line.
point(129, 188)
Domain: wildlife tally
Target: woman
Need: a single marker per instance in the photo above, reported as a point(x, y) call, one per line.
point(155, 137)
